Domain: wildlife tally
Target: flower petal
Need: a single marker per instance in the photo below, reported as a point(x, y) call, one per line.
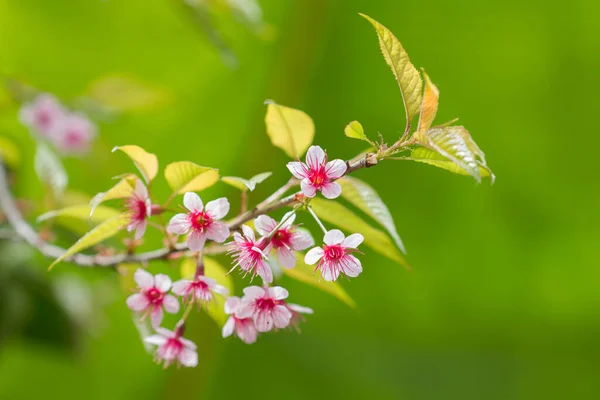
point(140, 190)
point(231, 304)
point(188, 357)
point(289, 218)
point(298, 169)
point(228, 327)
point(281, 316)
point(263, 269)
point(299, 309)
point(253, 292)
point(353, 241)
point(157, 340)
point(140, 229)
point(315, 156)
point(192, 202)
point(143, 278)
point(264, 321)
point(162, 282)
point(196, 240)
point(278, 293)
point(180, 224)
point(181, 286)
point(220, 289)
point(331, 190)
point(351, 266)
point(330, 271)
point(218, 208)
point(335, 169)
point(246, 331)
point(286, 257)
point(248, 232)
point(156, 316)
point(301, 240)
point(137, 302)
point(313, 255)
point(265, 225)
point(245, 310)
point(308, 189)
point(334, 236)
point(218, 232)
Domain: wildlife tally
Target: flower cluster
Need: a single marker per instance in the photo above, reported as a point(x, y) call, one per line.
point(70, 132)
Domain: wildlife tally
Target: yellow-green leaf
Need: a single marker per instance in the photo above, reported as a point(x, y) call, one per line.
point(146, 162)
point(427, 156)
point(406, 74)
point(306, 274)
point(123, 189)
point(431, 98)
point(126, 93)
point(185, 176)
point(212, 269)
point(455, 144)
point(9, 153)
point(246, 184)
point(338, 215)
point(355, 130)
point(364, 197)
point(81, 212)
point(102, 232)
point(289, 129)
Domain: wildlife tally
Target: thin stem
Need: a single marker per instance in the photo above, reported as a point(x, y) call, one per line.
point(310, 210)
point(282, 222)
point(244, 202)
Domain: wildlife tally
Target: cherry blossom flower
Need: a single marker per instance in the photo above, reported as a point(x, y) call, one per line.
point(200, 222)
point(42, 114)
point(335, 256)
point(73, 134)
point(264, 306)
point(318, 174)
point(152, 296)
point(287, 240)
point(199, 290)
point(140, 209)
point(251, 255)
point(243, 328)
point(173, 347)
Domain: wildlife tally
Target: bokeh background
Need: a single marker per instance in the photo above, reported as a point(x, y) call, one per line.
point(503, 301)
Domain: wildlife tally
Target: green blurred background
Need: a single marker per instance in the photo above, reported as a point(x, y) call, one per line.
point(503, 301)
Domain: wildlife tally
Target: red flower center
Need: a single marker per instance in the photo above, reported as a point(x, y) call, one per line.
point(318, 176)
point(334, 252)
point(265, 304)
point(154, 296)
point(200, 220)
point(138, 208)
point(74, 138)
point(282, 238)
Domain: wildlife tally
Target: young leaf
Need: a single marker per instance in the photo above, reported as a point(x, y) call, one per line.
point(455, 144)
point(146, 162)
point(427, 156)
point(81, 212)
point(338, 215)
point(212, 269)
point(9, 153)
point(431, 97)
point(364, 197)
point(306, 274)
point(289, 129)
point(185, 176)
point(125, 93)
point(50, 170)
point(123, 189)
point(102, 232)
point(406, 74)
point(355, 130)
point(246, 184)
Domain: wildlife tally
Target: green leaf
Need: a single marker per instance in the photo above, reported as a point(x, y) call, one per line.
point(102, 232)
point(364, 197)
point(212, 269)
point(122, 190)
point(50, 170)
point(355, 130)
point(431, 97)
point(338, 215)
point(146, 162)
point(126, 93)
point(291, 130)
point(406, 74)
point(427, 156)
point(9, 153)
point(246, 184)
point(306, 274)
point(185, 176)
point(454, 143)
point(81, 212)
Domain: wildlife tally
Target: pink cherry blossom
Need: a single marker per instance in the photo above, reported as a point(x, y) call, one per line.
point(42, 114)
point(73, 134)
point(173, 347)
point(139, 206)
point(335, 256)
point(152, 296)
point(243, 328)
point(287, 240)
point(251, 255)
point(201, 223)
point(264, 306)
point(199, 290)
point(318, 174)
